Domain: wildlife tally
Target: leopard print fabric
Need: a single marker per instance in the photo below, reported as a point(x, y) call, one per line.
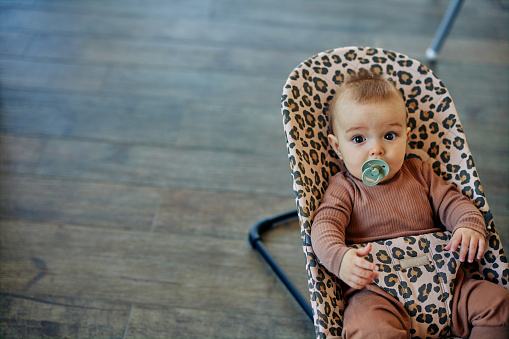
point(436, 137)
point(420, 273)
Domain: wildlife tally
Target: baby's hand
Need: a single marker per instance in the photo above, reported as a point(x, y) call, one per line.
point(356, 271)
point(471, 242)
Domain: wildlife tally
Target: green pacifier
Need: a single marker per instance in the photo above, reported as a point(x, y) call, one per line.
point(375, 170)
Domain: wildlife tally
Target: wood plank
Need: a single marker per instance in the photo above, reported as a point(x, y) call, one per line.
point(144, 120)
point(491, 13)
point(225, 215)
point(176, 83)
point(128, 8)
point(460, 49)
point(18, 154)
point(300, 39)
point(60, 317)
point(501, 223)
point(210, 169)
point(498, 206)
point(177, 322)
point(248, 58)
point(298, 13)
point(19, 73)
point(251, 129)
point(392, 17)
point(131, 125)
point(15, 43)
point(499, 138)
point(121, 118)
point(474, 51)
point(126, 51)
point(225, 26)
point(193, 271)
point(464, 80)
point(56, 22)
point(481, 109)
point(199, 85)
point(100, 205)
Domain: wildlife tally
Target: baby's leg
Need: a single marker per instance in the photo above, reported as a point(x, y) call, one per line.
point(482, 305)
point(371, 315)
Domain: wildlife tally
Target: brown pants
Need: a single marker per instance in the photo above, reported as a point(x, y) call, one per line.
point(480, 310)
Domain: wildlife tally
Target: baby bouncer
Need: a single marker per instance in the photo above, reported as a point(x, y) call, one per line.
point(436, 138)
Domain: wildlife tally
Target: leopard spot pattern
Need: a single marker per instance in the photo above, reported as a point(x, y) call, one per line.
point(436, 137)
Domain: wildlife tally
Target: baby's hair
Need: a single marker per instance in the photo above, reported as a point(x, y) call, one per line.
point(363, 86)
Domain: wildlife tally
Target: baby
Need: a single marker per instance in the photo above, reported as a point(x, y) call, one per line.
point(369, 121)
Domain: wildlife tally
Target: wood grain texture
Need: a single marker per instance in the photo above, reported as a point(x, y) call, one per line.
point(102, 205)
point(61, 317)
point(140, 139)
point(197, 272)
point(198, 212)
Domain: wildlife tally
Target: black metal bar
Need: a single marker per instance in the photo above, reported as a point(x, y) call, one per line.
point(443, 29)
point(256, 242)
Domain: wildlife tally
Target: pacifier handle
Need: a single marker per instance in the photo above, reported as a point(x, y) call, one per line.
point(374, 169)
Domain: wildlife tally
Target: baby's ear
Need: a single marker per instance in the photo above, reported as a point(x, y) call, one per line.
point(408, 129)
point(333, 141)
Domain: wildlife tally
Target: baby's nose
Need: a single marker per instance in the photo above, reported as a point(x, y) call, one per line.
point(377, 150)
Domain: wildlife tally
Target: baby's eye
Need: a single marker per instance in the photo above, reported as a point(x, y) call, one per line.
point(390, 136)
point(358, 139)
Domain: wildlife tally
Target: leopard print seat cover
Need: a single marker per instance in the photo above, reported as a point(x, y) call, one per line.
point(420, 273)
point(436, 137)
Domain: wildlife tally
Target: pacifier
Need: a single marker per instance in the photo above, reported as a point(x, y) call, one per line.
point(375, 170)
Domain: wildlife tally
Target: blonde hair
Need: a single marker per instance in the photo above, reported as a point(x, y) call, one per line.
point(362, 87)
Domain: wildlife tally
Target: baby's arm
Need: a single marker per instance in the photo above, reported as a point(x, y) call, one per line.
point(458, 214)
point(356, 271)
point(471, 242)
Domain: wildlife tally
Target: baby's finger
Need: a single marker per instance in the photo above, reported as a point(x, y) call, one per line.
point(481, 249)
point(364, 281)
point(358, 282)
point(363, 263)
point(465, 242)
point(453, 243)
point(365, 274)
point(472, 249)
point(356, 286)
point(363, 250)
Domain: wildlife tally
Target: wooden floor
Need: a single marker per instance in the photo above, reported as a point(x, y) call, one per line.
point(140, 140)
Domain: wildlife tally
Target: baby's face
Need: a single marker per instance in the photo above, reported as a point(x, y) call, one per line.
point(371, 131)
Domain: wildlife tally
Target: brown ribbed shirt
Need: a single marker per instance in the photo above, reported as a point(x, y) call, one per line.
point(414, 201)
